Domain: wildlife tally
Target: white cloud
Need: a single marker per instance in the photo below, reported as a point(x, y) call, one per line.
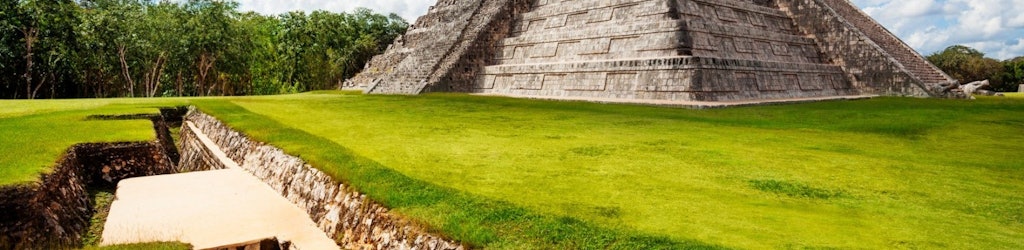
point(995, 27)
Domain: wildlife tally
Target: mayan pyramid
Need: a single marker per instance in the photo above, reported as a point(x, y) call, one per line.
point(644, 50)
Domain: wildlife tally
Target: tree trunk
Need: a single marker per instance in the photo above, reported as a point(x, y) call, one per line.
point(178, 84)
point(30, 40)
point(153, 77)
point(125, 71)
point(36, 90)
point(206, 63)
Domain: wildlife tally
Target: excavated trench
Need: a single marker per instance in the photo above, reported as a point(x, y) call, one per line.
point(216, 178)
point(55, 211)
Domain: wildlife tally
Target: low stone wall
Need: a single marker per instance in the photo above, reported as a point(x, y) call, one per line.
point(54, 212)
point(354, 221)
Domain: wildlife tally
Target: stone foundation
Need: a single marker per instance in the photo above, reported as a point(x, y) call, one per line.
point(344, 214)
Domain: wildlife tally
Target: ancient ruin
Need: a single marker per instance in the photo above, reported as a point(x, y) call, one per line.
point(652, 50)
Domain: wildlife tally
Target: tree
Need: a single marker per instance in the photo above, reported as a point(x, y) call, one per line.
point(47, 33)
point(10, 48)
point(966, 65)
point(209, 30)
point(1013, 75)
point(109, 48)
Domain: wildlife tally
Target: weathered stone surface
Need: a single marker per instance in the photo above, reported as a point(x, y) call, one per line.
point(974, 87)
point(681, 50)
point(343, 213)
point(1020, 88)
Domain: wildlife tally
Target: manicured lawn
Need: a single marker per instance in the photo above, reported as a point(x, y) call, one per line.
point(513, 174)
point(882, 173)
point(34, 134)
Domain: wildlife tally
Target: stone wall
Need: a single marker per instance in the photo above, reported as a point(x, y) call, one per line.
point(54, 212)
point(347, 216)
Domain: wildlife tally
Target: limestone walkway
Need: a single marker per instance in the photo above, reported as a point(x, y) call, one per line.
point(207, 209)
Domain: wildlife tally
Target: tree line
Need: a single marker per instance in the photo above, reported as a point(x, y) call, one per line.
point(147, 48)
point(967, 65)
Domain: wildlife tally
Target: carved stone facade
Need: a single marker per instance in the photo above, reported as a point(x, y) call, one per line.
point(676, 50)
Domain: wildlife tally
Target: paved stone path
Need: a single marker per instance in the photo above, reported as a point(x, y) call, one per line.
point(207, 209)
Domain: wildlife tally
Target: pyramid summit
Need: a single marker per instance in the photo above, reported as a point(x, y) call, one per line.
point(652, 50)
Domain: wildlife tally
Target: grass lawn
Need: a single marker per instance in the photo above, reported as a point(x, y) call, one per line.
point(513, 174)
point(34, 134)
point(882, 173)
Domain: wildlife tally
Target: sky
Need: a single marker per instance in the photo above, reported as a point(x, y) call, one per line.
point(995, 27)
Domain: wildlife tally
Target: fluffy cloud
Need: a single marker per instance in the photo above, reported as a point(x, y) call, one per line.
point(995, 27)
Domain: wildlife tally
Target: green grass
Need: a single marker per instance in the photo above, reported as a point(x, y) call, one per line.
point(34, 134)
point(882, 173)
point(511, 174)
point(101, 200)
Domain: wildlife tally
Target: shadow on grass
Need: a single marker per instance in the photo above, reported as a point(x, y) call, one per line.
point(796, 190)
point(473, 220)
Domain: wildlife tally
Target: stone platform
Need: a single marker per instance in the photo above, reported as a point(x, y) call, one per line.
point(651, 50)
point(207, 209)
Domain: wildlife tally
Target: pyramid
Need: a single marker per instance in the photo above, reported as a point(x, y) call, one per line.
point(651, 50)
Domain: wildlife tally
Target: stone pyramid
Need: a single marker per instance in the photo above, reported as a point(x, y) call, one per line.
point(651, 50)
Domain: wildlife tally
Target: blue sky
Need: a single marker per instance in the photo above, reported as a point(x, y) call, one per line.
point(995, 27)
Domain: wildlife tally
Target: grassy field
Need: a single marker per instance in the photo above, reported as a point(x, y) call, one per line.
point(34, 134)
point(513, 174)
point(882, 173)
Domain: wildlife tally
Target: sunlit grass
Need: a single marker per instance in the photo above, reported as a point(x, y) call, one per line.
point(1014, 95)
point(882, 173)
point(34, 134)
point(512, 174)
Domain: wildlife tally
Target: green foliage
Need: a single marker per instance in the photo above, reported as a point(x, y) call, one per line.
point(968, 65)
point(101, 200)
point(142, 48)
point(1013, 74)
